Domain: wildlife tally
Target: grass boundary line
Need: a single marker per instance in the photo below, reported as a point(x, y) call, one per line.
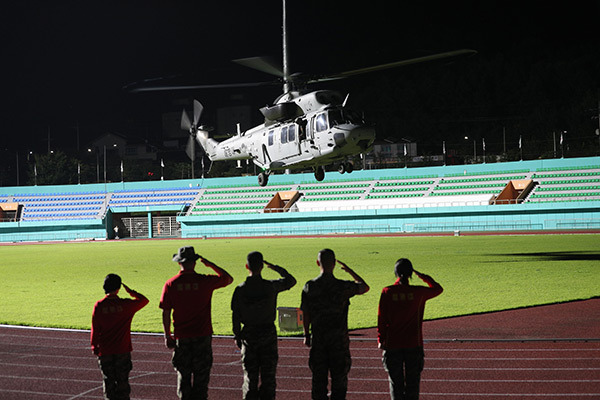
point(510, 309)
point(333, 235)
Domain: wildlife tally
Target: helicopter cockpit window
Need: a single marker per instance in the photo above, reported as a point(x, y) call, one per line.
point(284, 133)
point(321, 122)
point(336, 118)
point(353, 117)
point(343, 116)
point(292, 133)
point(271, 133)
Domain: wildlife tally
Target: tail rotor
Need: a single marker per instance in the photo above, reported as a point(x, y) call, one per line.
point(192, 128)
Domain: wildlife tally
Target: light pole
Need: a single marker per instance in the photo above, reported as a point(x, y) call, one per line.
point(105, 164)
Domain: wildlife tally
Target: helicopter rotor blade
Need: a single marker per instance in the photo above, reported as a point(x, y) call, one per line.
point(186, 125)
point(167, 88)
point(263, 64)
point(395, 64)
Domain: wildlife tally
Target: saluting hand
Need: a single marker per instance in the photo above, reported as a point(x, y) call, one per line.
point(419, 274)
point(271, 266)
point(206, 262)
point(344, 267)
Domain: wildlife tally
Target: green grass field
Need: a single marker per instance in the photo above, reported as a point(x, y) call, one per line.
point(56, 285)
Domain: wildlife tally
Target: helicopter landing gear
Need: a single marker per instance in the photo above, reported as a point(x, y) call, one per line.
point(263, 178)
point(346, 167)
point(349, 167)
point(319, 173)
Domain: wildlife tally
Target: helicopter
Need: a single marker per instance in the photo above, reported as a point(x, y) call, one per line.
point(302, 129)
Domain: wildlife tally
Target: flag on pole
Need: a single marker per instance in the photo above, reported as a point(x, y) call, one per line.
point(405, 152)
point(483, 142)
point(561, 138)
point(521, 147)
point(35, 170)
point(444, 147)
point(121, 166)
point(162, 163)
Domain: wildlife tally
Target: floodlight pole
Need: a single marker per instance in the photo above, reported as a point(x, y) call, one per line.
point(444, 151)
point(104, 164)
point(17, 167)
point(598, 131)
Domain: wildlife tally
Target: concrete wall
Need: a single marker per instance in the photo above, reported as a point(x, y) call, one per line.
point(37, 231)
point(514, 217)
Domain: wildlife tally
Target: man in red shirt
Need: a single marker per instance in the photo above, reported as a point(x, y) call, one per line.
point(111, 336)
point(399, 329)
point(188, 296)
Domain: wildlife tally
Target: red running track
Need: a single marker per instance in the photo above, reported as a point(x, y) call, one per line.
point(475, 357)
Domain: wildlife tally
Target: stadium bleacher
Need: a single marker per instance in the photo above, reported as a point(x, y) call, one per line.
point(552, 184)
point(566, 184)
point(70, 205)
point(208, 205)
point(140, 197)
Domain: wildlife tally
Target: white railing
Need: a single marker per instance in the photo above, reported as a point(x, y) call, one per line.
point(336, 206)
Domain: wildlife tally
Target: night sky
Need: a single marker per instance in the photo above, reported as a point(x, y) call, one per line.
point(66, 62)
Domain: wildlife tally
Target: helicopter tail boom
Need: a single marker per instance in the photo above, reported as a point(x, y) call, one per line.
point(209, 145)
point(221, 151)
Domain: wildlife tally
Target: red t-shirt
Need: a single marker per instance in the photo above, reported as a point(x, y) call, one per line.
point(189, 295)
point(400, 318)
point(111, 324)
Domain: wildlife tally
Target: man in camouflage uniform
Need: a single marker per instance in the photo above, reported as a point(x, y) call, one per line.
point(188, 296)
point(253, 305)
point(325, 302)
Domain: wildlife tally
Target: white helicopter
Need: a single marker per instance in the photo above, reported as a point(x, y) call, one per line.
point(302, 129)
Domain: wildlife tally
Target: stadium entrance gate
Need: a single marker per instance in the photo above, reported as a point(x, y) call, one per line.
point(139, 227)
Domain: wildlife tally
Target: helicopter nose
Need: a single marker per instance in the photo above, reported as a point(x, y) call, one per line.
point(362, 136)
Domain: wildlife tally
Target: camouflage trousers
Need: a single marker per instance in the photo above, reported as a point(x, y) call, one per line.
point(404, 368)
point(259, 359)
point(115, 370)
point(330, 355)
point(192, 360)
